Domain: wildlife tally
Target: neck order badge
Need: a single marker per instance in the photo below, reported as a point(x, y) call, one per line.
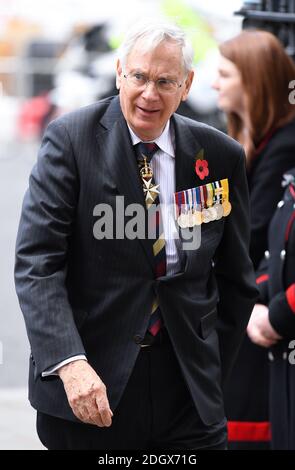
point(150, 189)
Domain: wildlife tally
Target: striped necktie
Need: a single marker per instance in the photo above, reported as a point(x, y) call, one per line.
point(145, 152)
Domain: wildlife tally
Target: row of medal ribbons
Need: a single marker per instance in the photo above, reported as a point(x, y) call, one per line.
point(202, 204)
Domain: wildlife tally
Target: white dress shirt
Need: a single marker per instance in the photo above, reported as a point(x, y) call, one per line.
point(163, 166)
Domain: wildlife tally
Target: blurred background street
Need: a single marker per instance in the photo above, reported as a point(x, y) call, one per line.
point(56, 56)
point(16, 416)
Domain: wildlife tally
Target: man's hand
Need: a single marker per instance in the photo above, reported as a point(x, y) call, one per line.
point(259, 327)
point(86, 393)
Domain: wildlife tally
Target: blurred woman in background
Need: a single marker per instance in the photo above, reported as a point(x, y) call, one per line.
point(253, 90)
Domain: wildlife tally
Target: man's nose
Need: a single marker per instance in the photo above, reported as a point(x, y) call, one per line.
point(150, 91)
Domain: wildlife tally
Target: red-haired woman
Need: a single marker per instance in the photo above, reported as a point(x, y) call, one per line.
point(253, 90)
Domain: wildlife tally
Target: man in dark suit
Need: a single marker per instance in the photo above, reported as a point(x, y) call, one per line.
point(133, 336)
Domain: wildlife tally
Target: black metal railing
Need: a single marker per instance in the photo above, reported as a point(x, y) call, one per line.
point(275, 16)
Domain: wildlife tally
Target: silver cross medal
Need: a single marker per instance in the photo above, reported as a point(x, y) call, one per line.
point(150, 190)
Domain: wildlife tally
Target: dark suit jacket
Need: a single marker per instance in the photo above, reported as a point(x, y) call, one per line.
point(83, 295)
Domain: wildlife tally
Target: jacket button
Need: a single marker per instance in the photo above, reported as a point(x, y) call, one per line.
point(267, 254)
point(270, 356)
point(138, 339)
point(283, 254)
point(280, 204)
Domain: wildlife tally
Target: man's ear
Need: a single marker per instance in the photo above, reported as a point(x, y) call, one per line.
point(118, 74)
point(187, 85)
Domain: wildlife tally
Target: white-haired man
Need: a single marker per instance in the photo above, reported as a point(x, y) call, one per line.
point(132, 336)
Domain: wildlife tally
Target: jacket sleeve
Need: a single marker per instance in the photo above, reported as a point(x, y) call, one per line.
point(282, 312)
point(262, 281)
point(282, 304)
point(45, 228)
point(234, 271)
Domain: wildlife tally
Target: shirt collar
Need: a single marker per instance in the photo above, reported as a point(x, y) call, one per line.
point(164, 141)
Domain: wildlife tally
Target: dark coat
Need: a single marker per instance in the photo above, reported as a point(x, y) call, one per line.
point(83, 295)
point(276, 283)
point(246, 396)
point(264, 178)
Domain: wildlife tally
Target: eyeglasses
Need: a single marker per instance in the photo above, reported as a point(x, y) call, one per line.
point(164, 85)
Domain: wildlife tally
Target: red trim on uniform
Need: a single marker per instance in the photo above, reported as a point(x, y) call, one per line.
point(264, 141)
point(289, 226)
point(290, 294)
point(262, 278)
point(248, 431)
point(292, 190)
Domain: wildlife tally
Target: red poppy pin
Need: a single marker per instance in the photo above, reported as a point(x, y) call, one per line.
point(201, 166)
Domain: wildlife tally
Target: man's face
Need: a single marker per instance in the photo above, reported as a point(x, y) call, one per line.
point(147, 110)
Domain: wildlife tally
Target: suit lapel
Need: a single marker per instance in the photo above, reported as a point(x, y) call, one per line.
point(118, 152)
point(187, 148)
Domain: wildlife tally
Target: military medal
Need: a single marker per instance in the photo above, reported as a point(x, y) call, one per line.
point(225, 202)
point(197, 214)
point(190, 220)
point(181, 216)
point(190, 208)
point(149, 188)
point(226, 205)
point(202, 204)
point(219, 211)
point(197, 218)
point(211, 208)
point(218, 200)
point(206, 216)
point(182, 220)
point(186, 210)
point(213, 213)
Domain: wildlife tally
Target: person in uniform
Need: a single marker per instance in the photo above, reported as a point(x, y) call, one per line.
point(253, 89)
point(272, 323)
